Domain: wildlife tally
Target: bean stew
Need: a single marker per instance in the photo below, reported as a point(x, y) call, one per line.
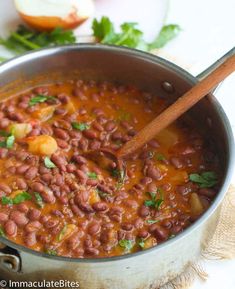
point(55, 200)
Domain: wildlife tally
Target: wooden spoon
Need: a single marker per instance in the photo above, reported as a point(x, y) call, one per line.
point(174, 111)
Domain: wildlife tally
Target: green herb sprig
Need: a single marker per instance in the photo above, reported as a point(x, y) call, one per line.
point(155, 202)
point(80, 126)
point(40, 99)
point(127, 245)
point(20, 198)
point(205, 179)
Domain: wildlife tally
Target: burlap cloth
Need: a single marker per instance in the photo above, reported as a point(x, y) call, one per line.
point(221, 245)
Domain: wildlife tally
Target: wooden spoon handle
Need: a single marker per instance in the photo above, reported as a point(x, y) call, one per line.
point(181, 105)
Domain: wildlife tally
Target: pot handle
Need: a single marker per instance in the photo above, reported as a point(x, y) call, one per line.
point(9, 259)
point(212, 67)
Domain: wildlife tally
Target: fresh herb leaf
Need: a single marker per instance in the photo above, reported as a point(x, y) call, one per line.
point(6, 201)
point(51, 252)
point(2, 233)
point(120, 175)
point(130, 35)
point(40, 98)
point(160, 157)
point(22, 197)
point(80, 125)
point(25, 39)
point(102, 194)
point(152, 221)
point(141, 243)
point(39, 200)
point(10, 141)
point(126, 244)
point(4, 133)
point(48, 163)
point(205, 179)
point(92, 175)
point(167, 33)
point(155, 202)
point(62, 233)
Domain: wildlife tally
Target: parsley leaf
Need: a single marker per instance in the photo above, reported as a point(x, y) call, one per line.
point(2, 233)
point(24, 196)
point(130, 35)
point(92, 175)
point(6, 200)
point(152, 221)
point(62, 233)
point(8, 142)
point(126, 244)
point(160, 157)
point(39, 199)
point(4, 133)
point(48, 163)
point(120, 175)
point(141, 243)
point(40, 98)
point(25, 39)
point(155, 202)
point(80, 125)
point(51, 252)
point(21, 197)
point(205, 179)
point(167, 33)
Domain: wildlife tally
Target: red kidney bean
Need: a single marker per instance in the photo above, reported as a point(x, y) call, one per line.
point(30, 239)
point(31, 173)
point(21, 184)
point(127, 226)
point(154, 173)
point(47, 177)
point(5, 188)
point(44, 170)
point(3, 217)
point(166, 224)
point(159, 232)
point(100, 207)
point(23, 208)
point(3, 153)
point(41, 90)
point(48, 196)
point(176, 162)
point(91, 182)
point(62, 143)
point(85, 207)
point(92, 251)
point(183, 189)
point(58, 160)
point(105, 189)
point(110, 126)
point(60, 133)
point(83, 144)
point(90, 134)
point(94, 229)
point(176, 229)
point(64, 98)
point(51, 223)
point(19, 218)
point(94, 145)
point(10, 228)
point(4, 122)
point(77, 211)
point(33, 226)
point(210, 193)
point(71, 168)
point(79, 159)
point(144, 211)
point(34, 214)
point(146, 180)
point(143, 234)
point(82, 176)
point(38, 187)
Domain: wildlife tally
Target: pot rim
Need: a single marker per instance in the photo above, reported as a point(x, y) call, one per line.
point(184, 74)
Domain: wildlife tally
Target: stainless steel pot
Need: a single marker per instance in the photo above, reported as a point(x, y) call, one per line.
point(145, 269)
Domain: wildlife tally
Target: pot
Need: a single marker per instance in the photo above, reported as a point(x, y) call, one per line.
point(155, 266)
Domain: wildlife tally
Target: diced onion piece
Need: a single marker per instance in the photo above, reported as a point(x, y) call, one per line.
point(195, 205)
point(42, 145)
point(167, 137)
point(68, 231)
point(15, 193)
point(94, 197)
point(20, 130)
point(70, 107)
point(44, 113)
point(180, 177)
point(45, 15)
point(150, 242)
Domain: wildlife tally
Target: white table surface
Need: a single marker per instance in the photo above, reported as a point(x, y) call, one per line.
point(207, 33)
